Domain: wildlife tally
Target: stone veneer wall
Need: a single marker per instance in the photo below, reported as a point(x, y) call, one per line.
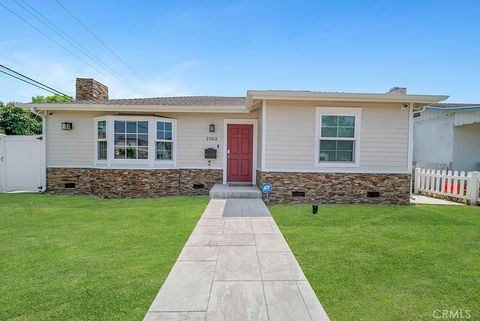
point(58, 177)
point(337, 187)
point(115, 183)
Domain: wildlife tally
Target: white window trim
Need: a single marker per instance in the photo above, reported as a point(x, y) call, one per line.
point(151, 162)
point(163, 140)
point(338, 111)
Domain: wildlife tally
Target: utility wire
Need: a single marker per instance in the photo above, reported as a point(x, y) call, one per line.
point(54, 41)
point(67, 37)
point(6, 73)
point(102, 42)
point(28, 80)
point(22, 75)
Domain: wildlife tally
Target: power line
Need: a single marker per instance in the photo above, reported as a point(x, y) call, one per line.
point(102, 42)
point(22, 75)
point(54, 41)
point(6, 73)
point(67, 38)
point(52, 26)
point(28, 80)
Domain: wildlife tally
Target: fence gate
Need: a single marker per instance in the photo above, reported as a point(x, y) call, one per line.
point(22, 165)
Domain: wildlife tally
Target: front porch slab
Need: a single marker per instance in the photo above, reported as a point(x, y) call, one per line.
point(227, 191)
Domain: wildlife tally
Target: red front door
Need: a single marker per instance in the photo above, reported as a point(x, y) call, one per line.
point(239, 153)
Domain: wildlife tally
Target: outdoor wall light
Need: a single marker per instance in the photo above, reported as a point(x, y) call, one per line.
point(211, 128)
point(67, 126)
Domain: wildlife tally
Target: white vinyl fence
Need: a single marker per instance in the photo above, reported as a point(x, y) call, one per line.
point(22, 163)
point(455, 184)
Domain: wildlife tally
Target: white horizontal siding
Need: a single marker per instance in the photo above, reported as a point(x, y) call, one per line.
point(70, 147)
point(460, 118)
point(290, 136)
point(76, 147)
point(428, 115)
point(467, 118)
point(192, 137)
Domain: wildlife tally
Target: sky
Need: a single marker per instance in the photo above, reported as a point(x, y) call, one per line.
point(219, 48)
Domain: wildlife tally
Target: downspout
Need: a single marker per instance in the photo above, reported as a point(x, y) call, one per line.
point(44, 148)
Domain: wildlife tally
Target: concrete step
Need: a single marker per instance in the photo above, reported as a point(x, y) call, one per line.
point(225, 191)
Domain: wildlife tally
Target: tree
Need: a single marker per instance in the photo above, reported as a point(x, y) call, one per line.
point(17, 121)
point(50, 99)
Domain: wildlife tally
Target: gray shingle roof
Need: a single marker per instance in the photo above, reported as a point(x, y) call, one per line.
point(171, 101)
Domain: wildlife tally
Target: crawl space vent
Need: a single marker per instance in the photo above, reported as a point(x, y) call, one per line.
point(373, 194)
point(198, 186)
point(298, 194)
point(69, 185)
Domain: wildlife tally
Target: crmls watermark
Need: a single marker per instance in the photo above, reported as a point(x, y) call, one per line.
point(451, 314)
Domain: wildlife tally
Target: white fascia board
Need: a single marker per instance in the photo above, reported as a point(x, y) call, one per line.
point(356, 97)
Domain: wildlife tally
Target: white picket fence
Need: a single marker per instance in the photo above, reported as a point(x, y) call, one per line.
point(455, 184)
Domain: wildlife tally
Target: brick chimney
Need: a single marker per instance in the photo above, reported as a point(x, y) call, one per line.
point(397, 91)
point(90, 89)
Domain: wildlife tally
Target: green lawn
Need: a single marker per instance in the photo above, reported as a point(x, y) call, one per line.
point(387, 262)
point(84, 258)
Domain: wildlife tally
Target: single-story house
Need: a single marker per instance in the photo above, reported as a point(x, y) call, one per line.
point(447, 136)
point(325, 147)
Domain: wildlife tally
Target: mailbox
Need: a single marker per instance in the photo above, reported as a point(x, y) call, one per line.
point(210, 153)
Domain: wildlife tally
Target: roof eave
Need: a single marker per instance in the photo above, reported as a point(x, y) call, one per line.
point(275, 95)
point(134, 108)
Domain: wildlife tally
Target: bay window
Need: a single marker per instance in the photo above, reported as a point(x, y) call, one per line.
point(337, 137)
point(143, 141)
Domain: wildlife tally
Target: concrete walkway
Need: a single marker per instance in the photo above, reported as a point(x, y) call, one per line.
point(425, 200)
point(236, 266)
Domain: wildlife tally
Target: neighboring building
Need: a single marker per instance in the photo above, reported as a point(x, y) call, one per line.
point(312, 146)
point(448, 136)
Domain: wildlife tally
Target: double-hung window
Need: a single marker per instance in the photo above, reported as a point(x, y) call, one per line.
point(337, 137)
point(102, 140)
point(164, 140)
